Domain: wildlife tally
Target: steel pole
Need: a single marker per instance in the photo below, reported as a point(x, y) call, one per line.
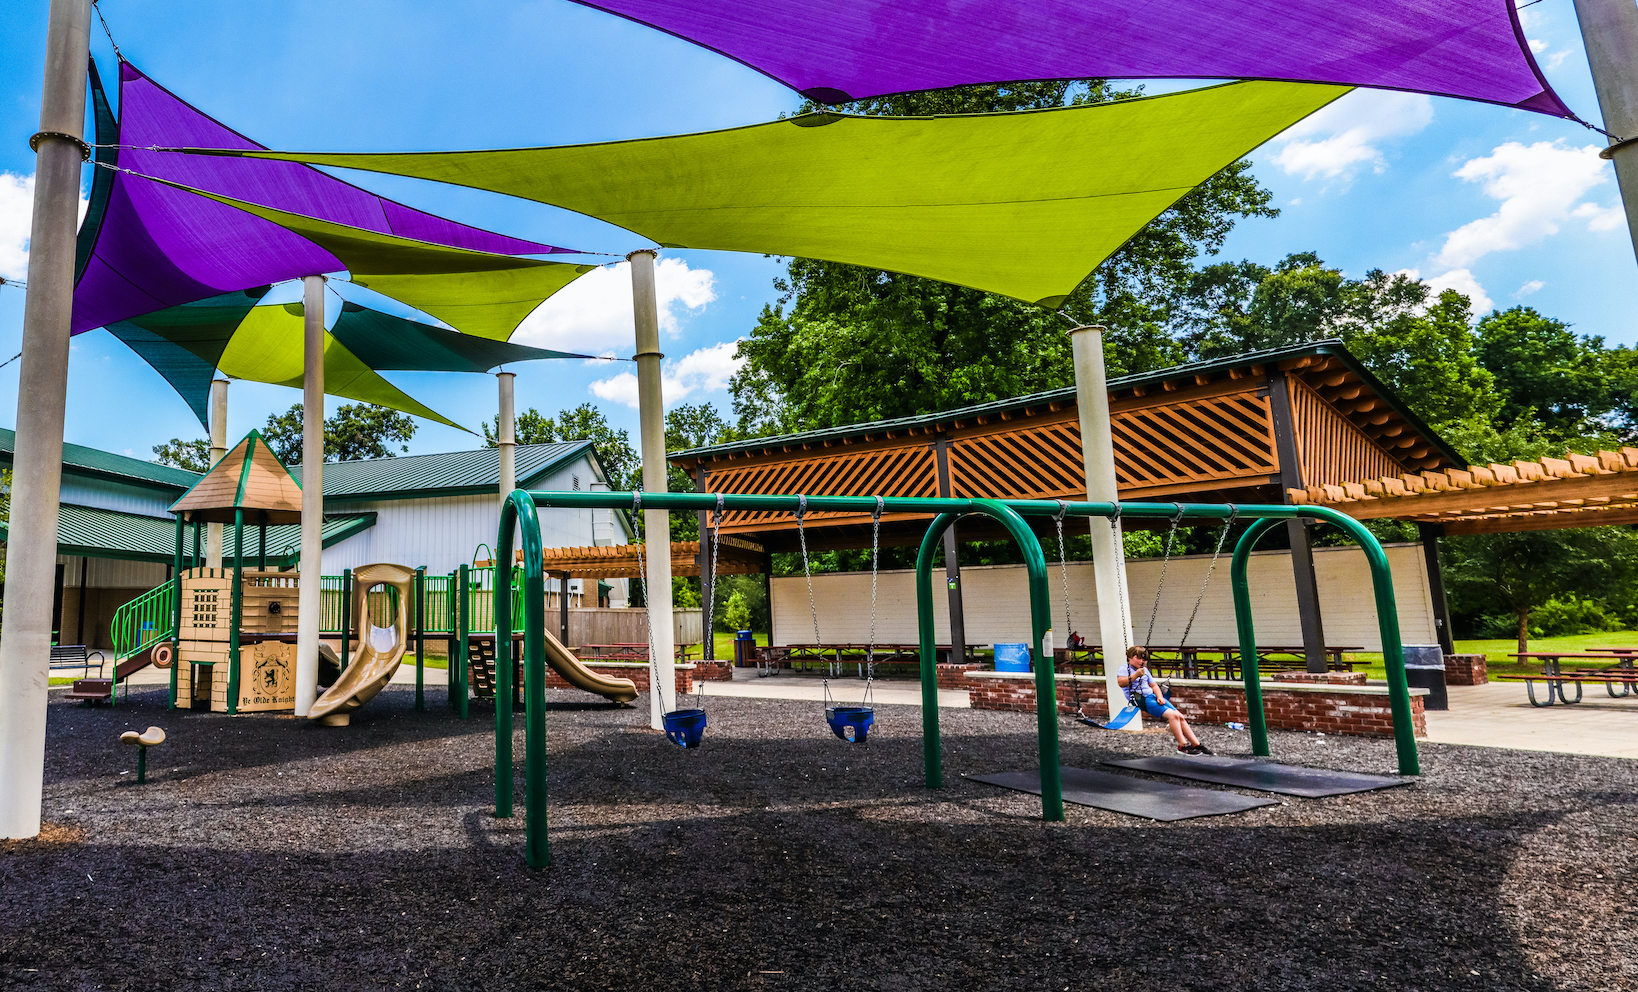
point(1609, 28)
point(506, 436)
point(218, 451)
point(1108, 548)
point(310, 596)
point(41, 395)
point(656, 523)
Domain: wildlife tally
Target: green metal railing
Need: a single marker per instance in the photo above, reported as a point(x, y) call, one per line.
point(519, 512)
point(148, 618)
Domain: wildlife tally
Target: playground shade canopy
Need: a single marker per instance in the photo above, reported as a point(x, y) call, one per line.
point(249, 477)
point(855, 49)
point(1023, 204)
point(147, 246)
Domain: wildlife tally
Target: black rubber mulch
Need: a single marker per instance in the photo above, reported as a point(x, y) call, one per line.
point(266, 853)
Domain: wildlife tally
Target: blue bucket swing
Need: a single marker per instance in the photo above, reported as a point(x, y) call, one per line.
point(683, 727)
point(849, 723)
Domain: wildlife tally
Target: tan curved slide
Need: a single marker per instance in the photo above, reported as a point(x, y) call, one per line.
point(564, 663)
point(380, 649)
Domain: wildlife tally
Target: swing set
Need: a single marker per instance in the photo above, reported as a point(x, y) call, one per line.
point(519, 513)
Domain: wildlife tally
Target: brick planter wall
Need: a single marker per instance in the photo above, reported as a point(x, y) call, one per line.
point(1465, 669)
point(638, 673)
point(955, 676)
point(1338, 711)
point(713, 671)
point(1330, 678)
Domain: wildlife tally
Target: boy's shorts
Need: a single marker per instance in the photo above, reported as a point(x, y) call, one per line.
point(1155, 707)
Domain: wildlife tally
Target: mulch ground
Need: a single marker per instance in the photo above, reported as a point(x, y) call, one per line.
point(268, 853)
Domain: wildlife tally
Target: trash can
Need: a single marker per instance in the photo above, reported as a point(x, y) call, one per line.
point(744, 641)
point(1012, 657)
point(1425, 669)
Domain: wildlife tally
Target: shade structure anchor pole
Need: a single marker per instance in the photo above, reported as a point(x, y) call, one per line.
point(656, 523)
point(218, 451)
point(309, 594)
point(506, 435)
point(1108, 549)
point(31, 554)
point(1609, 28)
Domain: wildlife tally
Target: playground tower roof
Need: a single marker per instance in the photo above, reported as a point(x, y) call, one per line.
point(249, 477)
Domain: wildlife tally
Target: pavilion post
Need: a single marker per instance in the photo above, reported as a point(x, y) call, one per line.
point(708, 572)
point(1429, 535)
point(1609, 28)
point(506, 435)
point(656, 523)
point(1108, 548)
point(218, 451)
point(1297, 529)
point(952, 562)
point(41, 396)
point(309, 595)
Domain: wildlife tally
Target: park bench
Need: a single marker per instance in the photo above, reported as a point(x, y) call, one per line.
point(1552, 673)
point(65, 656)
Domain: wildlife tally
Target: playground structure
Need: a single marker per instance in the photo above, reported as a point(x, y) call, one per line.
point(380, 648)
point(519, 514)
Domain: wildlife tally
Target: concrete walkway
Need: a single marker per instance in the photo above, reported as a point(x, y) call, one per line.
point(1500, 715)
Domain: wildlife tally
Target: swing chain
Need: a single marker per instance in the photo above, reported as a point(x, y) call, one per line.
point(1063, 569)
point(1166, 558)
point(711, 600)
point(807, 572)
point(1222, 539)
point(875, 537)
point(648, 598)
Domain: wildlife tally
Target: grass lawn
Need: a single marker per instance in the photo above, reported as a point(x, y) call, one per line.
point(1496, 652)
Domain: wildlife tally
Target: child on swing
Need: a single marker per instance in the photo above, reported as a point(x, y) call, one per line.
point(1142, 692)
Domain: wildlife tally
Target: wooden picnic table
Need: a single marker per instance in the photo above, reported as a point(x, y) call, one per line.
point(1623, 673)
point(835, 657)
point(1205, 661)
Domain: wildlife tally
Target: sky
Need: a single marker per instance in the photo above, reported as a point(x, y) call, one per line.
point(1506, 206)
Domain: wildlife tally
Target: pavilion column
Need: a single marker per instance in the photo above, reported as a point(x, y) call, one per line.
point(1609, 29)
point(708, 573)
point(1108, 548)
point(309, 594)
point(1429, 535)
point(42, 391)
point(1302, 554)
point(506, 436)
point(952, 563)
point(656, 523)
point(218, 451)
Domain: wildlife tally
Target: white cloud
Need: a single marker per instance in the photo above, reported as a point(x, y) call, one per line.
point(16, 217)
point(1462, 281)
point(706, 370)
point(593, 314)
point(1540, 187)
point(1344, 136)
point(1533, 286)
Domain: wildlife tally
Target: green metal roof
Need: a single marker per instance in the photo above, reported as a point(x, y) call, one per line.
point(80, 460)
point(1331, 348)
point(96, 533)
point(450, 473)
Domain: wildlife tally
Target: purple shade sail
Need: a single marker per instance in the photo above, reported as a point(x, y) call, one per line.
point(159, 247)
point(856, 49)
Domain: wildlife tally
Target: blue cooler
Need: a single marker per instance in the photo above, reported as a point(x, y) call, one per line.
point(1012, 657)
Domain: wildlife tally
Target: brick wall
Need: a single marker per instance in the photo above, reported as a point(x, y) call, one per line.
point(1340, 712)
point(639, 674)
point(955, 676)
point(1465, 669)
point(1329, 678)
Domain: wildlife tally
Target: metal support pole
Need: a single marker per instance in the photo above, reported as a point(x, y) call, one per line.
point(1108, 547)
point(79, 626)
point(563, 606)
point(1302, 555)
point(506, 435)
point(176, 610)
point(310, 596)
point(346, 617)
point(198, 560)
point(218, 451)
point(42, 391)
point(261, 543)
point(656, 523)
point(1430, 534)
point(460, 667)
point(420, 637)
point(238, 609)
point(1609, 28)
point(952, 562)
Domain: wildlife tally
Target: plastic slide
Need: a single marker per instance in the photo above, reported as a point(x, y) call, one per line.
point(564, 663)
point(380, 649)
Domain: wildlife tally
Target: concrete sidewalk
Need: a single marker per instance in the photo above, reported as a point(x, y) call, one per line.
point(1500, 715)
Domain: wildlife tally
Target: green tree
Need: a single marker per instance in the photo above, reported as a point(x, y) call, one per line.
point(193, 456)
point(1426, 358)
point(848, 344)
point(355, 431)
point(582, 423)
point(737, 613)
point(1540, 365)
point(1521, 572)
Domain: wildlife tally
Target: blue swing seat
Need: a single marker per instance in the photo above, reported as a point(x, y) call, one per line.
point(850, 723)
point(684, 728)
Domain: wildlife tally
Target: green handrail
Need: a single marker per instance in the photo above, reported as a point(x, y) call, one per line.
point(148, 618)
point(518, 513)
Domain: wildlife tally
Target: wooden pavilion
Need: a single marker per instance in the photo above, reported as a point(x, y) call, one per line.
point(1256, 428)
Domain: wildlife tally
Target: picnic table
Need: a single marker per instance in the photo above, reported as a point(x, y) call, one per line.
point(1205, 661)
point(626, 651)
point(1552, 673)
point(835, 657)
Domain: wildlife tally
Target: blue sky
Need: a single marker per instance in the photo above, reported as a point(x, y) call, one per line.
point(1507, 206)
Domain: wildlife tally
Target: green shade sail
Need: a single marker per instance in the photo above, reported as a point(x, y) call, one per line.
point(480, 293)
point(184, 344)
point(1023, 204)
point(383, 341)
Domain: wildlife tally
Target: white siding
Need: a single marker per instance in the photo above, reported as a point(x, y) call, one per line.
point(104, 495)
point(996, 602)
point(443, 533)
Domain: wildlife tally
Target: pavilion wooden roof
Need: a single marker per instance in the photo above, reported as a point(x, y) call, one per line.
point(1242, 429)
point(1550, 494)
point(620, 561)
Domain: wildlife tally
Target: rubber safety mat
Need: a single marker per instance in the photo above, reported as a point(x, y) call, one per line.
point(1133, 796)
point(1264, 776)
